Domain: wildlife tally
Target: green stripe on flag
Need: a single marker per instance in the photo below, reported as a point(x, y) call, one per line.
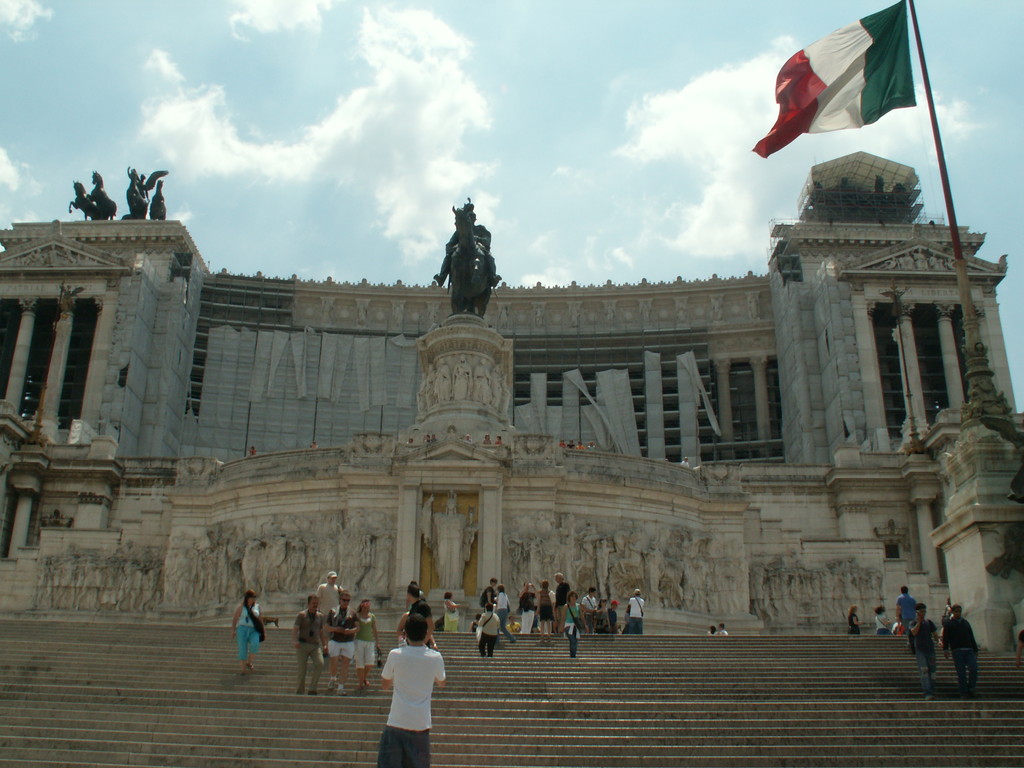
point(889, 83)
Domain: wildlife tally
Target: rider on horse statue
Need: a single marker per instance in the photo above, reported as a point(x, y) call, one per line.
point(466, 297)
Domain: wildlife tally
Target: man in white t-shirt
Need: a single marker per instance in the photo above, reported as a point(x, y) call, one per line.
point(329, 592)
point(635, 614)
point(411, 671)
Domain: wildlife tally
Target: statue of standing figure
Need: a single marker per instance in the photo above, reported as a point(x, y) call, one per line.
point(453, 535)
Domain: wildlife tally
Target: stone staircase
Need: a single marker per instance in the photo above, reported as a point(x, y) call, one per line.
point(100, 694)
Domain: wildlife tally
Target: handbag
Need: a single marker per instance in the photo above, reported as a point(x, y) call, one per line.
point(257, 624)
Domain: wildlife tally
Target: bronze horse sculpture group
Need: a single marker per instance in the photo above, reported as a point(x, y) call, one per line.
point(98, 206)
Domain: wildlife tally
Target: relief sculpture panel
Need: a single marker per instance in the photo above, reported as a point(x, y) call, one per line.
point(676, 567)
point(126, 579)
point(287, 554)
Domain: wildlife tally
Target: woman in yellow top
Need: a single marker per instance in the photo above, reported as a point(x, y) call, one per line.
point(367, 643)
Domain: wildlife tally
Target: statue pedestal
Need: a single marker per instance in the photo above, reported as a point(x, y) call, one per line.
point(467, 382)
point(983, 536)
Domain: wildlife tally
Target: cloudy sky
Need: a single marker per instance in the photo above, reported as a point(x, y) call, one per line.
point(599, 140)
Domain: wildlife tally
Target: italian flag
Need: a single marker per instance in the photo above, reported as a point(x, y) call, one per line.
point(846, 80)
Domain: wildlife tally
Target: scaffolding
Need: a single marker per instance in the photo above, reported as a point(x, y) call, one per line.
point(861, 188)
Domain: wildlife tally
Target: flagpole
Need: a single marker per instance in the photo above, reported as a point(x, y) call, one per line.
point(984, 401)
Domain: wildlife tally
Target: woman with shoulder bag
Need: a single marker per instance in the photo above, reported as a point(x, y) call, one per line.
point(488, 629)
point(247, 629)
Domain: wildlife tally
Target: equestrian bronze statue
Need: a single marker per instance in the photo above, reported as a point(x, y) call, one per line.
point(468, 264)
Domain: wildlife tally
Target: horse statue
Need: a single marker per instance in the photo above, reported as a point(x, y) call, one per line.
point(468, 264)
point(138, 191)
point(96, 205)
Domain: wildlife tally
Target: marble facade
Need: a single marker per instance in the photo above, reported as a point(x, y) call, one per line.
point(393, 443)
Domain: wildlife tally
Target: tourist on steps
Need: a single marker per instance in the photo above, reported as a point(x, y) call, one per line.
point(368, 642)
point(921, 631)
point(882, 624)
point(852, 621)
point(545, 611)
point(958, 638)
point(340, 625)
point(561, 595)
point(635, 614)
point(573, 623)
point(451, 613)
point(502, 608)
point(247, 629)
point(906, 607)
point(487, 628)
point(527, 608)
point(310, 640)
point(411, 672)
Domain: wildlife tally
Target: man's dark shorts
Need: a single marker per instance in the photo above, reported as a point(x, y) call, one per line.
point(400, 748)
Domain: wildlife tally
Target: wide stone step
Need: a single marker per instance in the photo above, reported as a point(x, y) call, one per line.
point(81, 700)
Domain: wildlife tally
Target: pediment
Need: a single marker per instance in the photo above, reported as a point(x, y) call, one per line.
point(457, 450)
point(920, 257)
point(60, 253)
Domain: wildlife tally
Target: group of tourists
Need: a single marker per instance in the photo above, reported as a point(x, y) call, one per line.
point(548, 612)
point(956, 639)
point(328, 626)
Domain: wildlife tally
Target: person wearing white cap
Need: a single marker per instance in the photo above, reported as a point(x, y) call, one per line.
point(329, 592)
point(635, 615)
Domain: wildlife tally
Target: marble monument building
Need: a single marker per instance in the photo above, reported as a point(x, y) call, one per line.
point(171, 436)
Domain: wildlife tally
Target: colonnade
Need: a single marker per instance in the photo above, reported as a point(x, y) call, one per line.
point(723, 369)
point(874, 404)
point(58, 357)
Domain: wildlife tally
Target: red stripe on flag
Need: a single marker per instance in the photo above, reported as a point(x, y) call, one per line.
point(796, 90)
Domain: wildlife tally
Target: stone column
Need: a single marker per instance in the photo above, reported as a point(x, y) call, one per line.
point(22, 518)
point(871, 377)
point(929, 558)
point(19, 363)
point(406, 555)
point(490, 546)
point(950, 361)
point(58, 362)
point(913, 372)
point(723, 365)
point(759, 365)
point(98, 358)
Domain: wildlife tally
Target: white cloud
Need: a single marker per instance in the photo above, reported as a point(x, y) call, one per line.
point(160, 63)
point(401, 134)
point(9, 176)
point(709, 127)
point(20, 15)
point(706, 130)
point(273, 15)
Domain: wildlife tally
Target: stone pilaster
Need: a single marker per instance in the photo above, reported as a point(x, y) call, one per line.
point(19, 363)
point(98, 358)
point(58, 365)
point(723, 366)
point(913, 371)
point(759, 364)
point(950, 361)
point(871, 377)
